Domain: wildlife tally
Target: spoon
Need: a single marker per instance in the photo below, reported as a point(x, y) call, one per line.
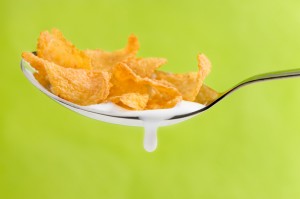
point(150, 119)
point(113, 114)
point(28, 71)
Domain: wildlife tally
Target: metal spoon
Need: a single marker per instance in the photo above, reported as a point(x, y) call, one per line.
point(107, 116)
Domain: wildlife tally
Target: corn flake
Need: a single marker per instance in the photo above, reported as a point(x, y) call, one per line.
point(206, 95)
point(134, 101)
point(145, 67)
point(80, 86)
point(188, 84)
point(124, 81)
point(38, 64)
point(96, 76)
point(105, 61)
point(55, 48)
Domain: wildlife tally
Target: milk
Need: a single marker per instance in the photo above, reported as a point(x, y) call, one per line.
point(150, 120)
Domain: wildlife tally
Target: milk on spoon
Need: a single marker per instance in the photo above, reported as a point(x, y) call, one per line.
point(151, 120)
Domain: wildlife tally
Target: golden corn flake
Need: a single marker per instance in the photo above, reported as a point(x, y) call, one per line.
point(80, 86)
point(133, 101)
point(55, 48)
point(145, 67)
point(188, 84)
point(96, 76)
point(105, 61)
point(124, 81)
point(204, 66)
point(57, 34)
point(206, 95)
point(38, 64)
point(162, 96)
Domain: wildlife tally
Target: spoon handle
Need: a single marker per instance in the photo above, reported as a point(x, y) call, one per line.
point(265, 77)
point(259, 78)
point(273, 75)
point(254, 79)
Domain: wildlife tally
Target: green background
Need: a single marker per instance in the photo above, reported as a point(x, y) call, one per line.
point(246, 147)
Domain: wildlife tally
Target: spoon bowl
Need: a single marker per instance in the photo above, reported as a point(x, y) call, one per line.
point(111, 113)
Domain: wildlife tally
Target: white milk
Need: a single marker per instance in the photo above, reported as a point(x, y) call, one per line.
point(151, 119)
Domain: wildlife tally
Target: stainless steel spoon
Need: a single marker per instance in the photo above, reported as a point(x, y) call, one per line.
point(107, 116)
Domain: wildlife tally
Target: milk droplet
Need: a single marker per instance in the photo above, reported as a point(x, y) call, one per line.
point(150, 136)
